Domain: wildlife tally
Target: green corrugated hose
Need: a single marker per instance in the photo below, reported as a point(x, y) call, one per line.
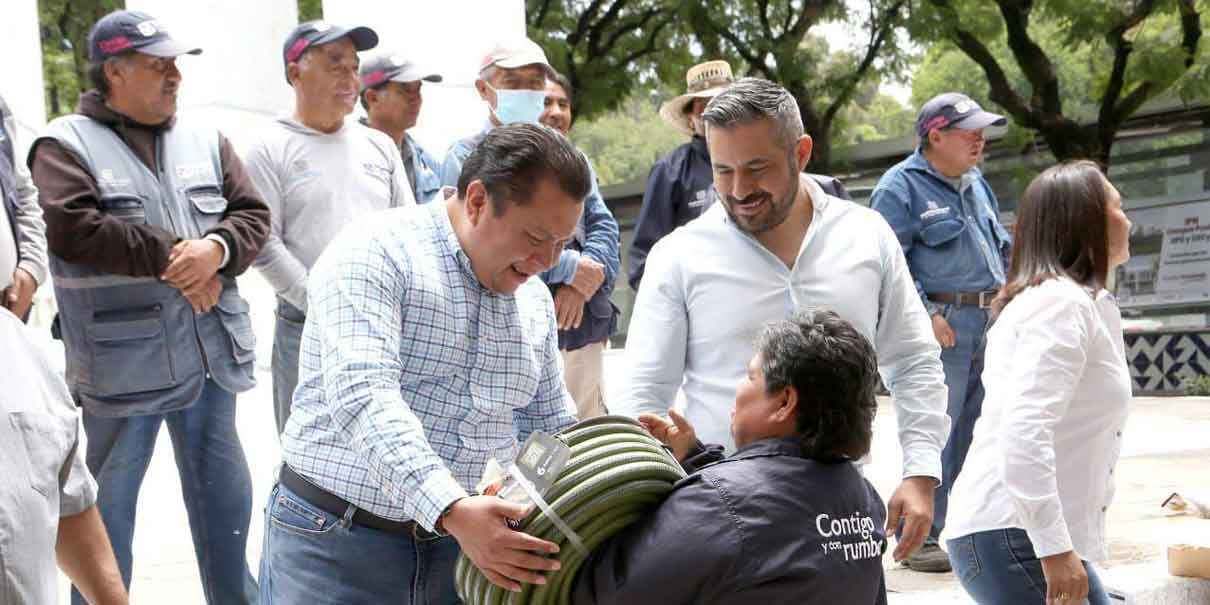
point(616, 473)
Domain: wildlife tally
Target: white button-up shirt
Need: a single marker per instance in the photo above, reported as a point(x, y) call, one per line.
point(709, 287)
point(1044, 450)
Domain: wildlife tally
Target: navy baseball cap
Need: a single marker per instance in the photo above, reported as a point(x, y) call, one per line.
point(314, 33)
point(122, 31)
point(381, 69)
point(954, 110)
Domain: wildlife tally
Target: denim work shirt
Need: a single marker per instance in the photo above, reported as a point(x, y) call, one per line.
point(952, 238)
point(412, 374)
point(427, 170)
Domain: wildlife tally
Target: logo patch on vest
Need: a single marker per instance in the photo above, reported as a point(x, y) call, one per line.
point(934, 211)
point(107, 178)
point(189, 171)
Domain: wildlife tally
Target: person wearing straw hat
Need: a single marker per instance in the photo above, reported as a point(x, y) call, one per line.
point(679, 186)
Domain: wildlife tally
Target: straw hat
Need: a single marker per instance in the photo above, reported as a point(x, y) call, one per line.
point(703, 81)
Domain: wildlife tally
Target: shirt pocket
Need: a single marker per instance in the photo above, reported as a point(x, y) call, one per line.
point(942, 232)
point(44, 437)
point(207, 206)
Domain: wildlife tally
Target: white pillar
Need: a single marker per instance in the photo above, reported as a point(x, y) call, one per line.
point(451, 37)
point(21, 47)
point(238, 83)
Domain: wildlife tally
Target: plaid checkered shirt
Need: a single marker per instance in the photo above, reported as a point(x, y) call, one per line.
point(412, 374)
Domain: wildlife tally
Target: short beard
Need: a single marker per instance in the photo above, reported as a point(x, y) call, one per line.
point(778, 212)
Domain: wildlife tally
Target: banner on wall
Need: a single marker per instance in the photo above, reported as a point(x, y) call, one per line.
point(1184, 264)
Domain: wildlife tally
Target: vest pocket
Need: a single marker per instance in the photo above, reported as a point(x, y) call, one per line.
point(233, 313)
point(130, 352)
point(126, 207)
point(208, 206)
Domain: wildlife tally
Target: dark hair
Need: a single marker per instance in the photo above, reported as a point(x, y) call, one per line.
point(750, 99)
point(511, 160)
point(834, 370)
point(1061, 230)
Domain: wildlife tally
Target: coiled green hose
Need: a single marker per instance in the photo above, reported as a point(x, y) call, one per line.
point(616, 473)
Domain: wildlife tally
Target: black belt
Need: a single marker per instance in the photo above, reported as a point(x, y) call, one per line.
point(335, 505)
point(982, 299)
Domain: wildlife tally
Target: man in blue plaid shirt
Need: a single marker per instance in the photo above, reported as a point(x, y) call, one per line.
point(429, 348)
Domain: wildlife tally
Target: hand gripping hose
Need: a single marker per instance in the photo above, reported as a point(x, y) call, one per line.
point(616, 473)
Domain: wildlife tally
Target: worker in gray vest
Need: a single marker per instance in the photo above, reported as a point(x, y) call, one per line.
point(149, 220)
point(22, 231)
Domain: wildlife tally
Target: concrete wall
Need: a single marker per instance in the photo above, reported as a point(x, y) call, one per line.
point(238, 82)
point(21, 48)
point(450, 36)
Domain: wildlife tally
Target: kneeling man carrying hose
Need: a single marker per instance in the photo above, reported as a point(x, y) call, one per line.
point(788, 518)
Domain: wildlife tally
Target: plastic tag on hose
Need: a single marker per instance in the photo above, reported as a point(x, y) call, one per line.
point(550, 513)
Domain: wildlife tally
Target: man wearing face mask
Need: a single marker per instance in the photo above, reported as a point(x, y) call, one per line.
point(948, 221)
point(318, 173)
point(512, 81)
point(679, 186)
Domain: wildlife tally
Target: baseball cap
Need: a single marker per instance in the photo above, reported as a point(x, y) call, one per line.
point(393, 68)
point(314, 33)
point(122, 31)
point(954, 110)
point(517, 52)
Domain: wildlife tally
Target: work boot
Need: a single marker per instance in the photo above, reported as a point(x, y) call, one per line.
point(929, 558)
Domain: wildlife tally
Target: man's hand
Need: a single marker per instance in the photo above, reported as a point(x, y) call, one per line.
point(1066, 578)
point(943, 331)
point(569, 307)
point(589, 276)
point(676, 432)
point(19, 296)
point(205, 295)
point(913, 503)
point(505, 556)
point(192, 262)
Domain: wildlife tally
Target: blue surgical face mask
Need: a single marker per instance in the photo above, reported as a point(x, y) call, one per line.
point(518, 105)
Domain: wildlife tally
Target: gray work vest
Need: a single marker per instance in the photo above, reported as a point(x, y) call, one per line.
point(134, 345)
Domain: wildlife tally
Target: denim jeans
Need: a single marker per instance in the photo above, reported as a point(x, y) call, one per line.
point(998, 567)
point(312, 556)
point(215, 484)
point(963, 364)
point(287, 339)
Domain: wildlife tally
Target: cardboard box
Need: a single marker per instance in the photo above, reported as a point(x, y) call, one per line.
point(1189, 561)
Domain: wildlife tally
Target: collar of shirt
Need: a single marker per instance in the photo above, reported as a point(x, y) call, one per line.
point(819, 204)
point(919, 163)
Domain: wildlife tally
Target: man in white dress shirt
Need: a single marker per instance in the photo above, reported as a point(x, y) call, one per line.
point(775, 243)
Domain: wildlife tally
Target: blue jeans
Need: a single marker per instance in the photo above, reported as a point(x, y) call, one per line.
point(215, 484)
point(287, 340)
point(998, 567)
point(963, 364)
point(312, 556)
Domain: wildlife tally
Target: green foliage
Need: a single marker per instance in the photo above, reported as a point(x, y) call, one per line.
point(64, 26)
point(1078, 42)
point(873, 116)
point(1197, 386)
point(310, 10)
point(610, 49)
point(624, 143)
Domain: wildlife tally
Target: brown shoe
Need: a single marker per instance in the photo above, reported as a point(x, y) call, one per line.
point(929, 558)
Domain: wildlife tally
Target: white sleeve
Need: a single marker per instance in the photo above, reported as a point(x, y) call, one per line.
point(909, 360)
point(656, 340)
point(1048, 358)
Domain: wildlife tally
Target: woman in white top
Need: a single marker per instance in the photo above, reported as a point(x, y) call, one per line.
point(1027, 514)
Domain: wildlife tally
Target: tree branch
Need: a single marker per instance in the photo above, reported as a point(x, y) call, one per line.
point(762, 10)
point(540, 17)
point(880, 30)
point(1034, 63)
point(594, 37)
point(1001, 89)
point(747, 53)
point(650, 47)
point(639, 22)
point(1110, 107)
point(583, 24)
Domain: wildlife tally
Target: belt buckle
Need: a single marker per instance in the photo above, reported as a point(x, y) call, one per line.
point(983, 302)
